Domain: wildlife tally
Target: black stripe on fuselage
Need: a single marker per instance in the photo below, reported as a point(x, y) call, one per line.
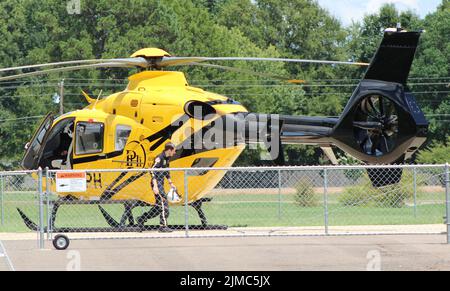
point(108, 193)
point(194, 144)
point(182, 150)
point(97, 157)
point(167, 132)
point(162, 135)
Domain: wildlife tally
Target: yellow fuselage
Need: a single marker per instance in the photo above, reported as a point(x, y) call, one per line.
point(149, 105)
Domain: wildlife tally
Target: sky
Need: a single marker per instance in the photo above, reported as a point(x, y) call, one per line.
point(348, 10)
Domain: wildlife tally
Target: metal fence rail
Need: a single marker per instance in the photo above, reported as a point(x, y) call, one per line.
point(280, 201)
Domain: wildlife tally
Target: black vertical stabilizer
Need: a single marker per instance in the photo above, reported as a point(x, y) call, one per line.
point(394, 58)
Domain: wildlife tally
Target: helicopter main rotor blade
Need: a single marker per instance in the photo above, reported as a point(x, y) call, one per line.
point(238, 70)
point(140, 62)
point(180, 61)
point(158, 63)
point(67, 69)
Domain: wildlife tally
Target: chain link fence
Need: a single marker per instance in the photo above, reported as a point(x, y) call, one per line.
point(297, 201)
point(18, 191)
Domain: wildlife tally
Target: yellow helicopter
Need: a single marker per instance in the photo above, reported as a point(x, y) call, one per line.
point(381, 124)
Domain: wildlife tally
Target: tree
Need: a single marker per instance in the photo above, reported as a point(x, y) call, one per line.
point(438, 153)
point(431, 65)
point(364, 37)
point(297, 29)
point(431, 61)
point(38, 31)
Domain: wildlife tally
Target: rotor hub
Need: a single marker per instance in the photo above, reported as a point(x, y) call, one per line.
point(150, 53)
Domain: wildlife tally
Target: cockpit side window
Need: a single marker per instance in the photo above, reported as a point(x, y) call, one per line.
point(89, 138)
point(122, 135)
point(58, 146)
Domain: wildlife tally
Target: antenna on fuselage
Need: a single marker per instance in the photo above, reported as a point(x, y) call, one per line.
point(100, 94)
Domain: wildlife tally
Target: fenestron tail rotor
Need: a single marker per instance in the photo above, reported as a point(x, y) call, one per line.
point(376, 125)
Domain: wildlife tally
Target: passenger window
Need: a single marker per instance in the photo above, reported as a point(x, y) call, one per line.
point(89, 139)
point(122, 135)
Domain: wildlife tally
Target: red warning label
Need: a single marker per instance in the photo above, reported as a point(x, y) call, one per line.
point(71, 175)
point(70, 182)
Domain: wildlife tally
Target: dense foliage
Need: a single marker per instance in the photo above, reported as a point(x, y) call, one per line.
point(37, 31)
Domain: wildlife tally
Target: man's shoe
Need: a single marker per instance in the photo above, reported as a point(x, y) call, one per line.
point(165, 229)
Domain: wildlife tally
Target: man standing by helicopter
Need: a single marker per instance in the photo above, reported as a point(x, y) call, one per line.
point(162, 204)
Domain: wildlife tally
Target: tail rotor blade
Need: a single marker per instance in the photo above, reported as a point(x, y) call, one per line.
point(384, 146)
point(381, 105)
point(369, 125)
point(375, 144)
point(375, 112)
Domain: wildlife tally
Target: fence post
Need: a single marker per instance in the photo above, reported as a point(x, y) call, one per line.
point(447, 200)
point(2, 190)
point(41, 210)
point(325, 198)
point(186, 201)
point(47, 196)
point(415, 191)
point(279, 194)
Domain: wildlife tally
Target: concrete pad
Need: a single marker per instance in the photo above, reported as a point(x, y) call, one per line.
point(393, 252)
point(253, 231)
point(5, 264)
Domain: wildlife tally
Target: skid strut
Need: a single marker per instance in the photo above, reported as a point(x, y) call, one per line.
point(127, 222)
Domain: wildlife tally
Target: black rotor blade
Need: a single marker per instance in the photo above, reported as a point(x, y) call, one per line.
point(375, 144)
point(381, 105)
point(368, 125)
point(367, 144)
point(374, 109)
point(365, 107)
point(390, 109)
point(368, 108)
point(365, 140)
point(384, 146)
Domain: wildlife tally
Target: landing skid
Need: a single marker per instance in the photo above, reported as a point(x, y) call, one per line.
point(126, 224)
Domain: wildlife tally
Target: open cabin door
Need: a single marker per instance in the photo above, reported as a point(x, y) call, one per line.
point(35, 147)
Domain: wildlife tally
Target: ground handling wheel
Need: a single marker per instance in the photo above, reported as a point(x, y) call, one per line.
point(61, 242)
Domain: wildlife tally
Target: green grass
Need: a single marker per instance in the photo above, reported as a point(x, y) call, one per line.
point(244, 210)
